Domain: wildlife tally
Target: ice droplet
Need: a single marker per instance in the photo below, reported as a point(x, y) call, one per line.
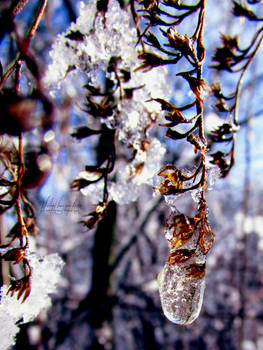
point(181, 295)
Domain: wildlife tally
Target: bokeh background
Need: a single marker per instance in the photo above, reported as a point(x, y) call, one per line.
point(108, 296)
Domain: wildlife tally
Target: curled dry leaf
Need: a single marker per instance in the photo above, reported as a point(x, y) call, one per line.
point(176, 181)
point(22, 287)
point(198, 86)
point(15, 255)
point(95, 216)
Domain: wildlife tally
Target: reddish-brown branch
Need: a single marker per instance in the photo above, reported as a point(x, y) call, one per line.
point(19, 7)
point(35, 24)
point(21, 170)
point(23, 45)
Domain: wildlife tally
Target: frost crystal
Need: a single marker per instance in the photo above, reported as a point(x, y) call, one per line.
point(44, 279)
point(213, 174)
point(91, 54)
point(127, 187)
point(8, 330)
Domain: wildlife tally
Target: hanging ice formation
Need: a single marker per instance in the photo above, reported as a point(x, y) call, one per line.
point(182, 280)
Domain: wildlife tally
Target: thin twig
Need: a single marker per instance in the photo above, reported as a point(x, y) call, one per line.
point(18, 7)
point(240, 81)
point(21, 170)
point(134, 236)
point(35, 24)
point(24, 46)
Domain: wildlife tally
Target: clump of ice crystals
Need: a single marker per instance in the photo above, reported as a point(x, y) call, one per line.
point(126, 188)
point(103, 39)
point(97, 47)
point(112, 37)
point(45, 276)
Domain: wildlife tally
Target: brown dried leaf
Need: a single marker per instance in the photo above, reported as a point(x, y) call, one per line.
point(150, 60)
point(180, 256)
point(182, 230)
point(95, 216)
point(21, 286)
point(75, 35)
point(16, 255)
point(83, 132)
point(198, 86)
point(196, 270)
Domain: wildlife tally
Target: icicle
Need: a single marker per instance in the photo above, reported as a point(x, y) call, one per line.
point(182, 280)
point(181, 294)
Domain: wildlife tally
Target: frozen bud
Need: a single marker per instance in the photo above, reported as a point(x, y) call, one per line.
point(180, 42)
